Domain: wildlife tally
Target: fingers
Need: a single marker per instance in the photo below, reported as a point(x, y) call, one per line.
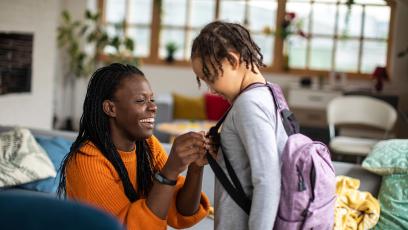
point(189, 140)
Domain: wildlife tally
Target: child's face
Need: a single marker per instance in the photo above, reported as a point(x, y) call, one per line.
point(134, 108)
point(226, 84)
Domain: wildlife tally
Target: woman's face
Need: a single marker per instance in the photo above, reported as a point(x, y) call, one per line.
point(134, 108)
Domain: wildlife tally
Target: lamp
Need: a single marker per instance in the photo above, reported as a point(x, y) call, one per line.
point(380, 75)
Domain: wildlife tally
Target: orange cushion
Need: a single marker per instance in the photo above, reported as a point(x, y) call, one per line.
point(187, 107)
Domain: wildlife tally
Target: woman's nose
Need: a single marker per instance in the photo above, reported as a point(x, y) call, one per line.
point(152, 106)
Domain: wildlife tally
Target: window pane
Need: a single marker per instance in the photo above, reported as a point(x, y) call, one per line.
point(115, 10)
point(192, 35)
point(202, 12)
point(174, 12)
point(376, 22)
point(265, 42)
point(262, 15)
point(110, 29)
point(141, 36)
point(321, 53)
point(350, 21)
point(324, 18)
point(302, 11)
point(377, 2)
point(140, 11)
point(374, 54)
point(232, 11)
point(172, 35)
point(347, 55)
point(297, 51)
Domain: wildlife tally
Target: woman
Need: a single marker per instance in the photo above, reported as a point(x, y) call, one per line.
point(118, 165)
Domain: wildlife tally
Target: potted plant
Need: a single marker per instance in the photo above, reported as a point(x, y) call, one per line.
point(171, 48)
point(83, 42)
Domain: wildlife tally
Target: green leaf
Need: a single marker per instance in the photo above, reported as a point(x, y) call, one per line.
point(88, 14)
point(129, 44)
point(66, 16)
point(83, 30)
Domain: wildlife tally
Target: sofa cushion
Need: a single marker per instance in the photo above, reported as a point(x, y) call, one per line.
point(215, 106)
point(388, 157)
point(394, 202)
point(186, 107)
point(56, 148)
point(22, 159)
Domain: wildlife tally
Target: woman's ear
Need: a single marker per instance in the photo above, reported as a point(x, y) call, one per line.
point(109, 108)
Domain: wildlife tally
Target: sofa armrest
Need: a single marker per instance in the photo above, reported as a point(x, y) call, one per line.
point(368, 181)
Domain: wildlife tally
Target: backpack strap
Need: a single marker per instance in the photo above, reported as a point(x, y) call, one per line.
point(288, 118)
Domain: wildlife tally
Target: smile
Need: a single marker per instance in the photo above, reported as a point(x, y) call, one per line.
point(148, 122)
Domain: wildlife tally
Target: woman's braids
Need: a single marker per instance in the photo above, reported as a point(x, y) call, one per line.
point(94, 127)
point(214, 43)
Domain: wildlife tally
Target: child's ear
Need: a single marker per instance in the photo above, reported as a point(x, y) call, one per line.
point(109, 108)
point(235, 56)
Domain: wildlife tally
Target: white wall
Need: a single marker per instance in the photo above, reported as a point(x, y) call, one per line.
point(39, 17)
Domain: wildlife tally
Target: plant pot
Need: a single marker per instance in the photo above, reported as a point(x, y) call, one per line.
point(170, 58)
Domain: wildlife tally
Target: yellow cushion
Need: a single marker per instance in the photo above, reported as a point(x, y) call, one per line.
point(186, 107)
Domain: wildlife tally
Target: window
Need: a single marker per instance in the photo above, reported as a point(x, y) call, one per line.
point(259, 16)
point(338, 37)
point(137, 16)
point(353, 40)
point(181, 22)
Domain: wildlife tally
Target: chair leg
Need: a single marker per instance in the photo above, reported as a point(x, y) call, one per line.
point(359, 159)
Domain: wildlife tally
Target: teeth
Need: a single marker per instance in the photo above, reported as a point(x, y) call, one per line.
point(147, 120)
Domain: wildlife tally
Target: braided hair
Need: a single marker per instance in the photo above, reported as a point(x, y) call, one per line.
point(94, 127)
point(214, 43)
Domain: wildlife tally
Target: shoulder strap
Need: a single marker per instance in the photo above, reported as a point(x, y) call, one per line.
point(288, 118)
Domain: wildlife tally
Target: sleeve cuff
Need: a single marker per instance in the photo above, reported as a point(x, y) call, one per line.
point(177, 220)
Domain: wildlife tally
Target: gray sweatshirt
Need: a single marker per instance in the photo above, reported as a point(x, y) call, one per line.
point(253, 141)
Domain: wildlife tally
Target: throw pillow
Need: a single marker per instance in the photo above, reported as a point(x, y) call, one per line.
point(393, 198)
point(186, 107)
point(22, 160)
point(56, 148)
point(388, 157)
point(215, 106)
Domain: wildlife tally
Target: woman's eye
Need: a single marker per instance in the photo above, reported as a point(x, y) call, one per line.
point(152, 100)
point(140, 100)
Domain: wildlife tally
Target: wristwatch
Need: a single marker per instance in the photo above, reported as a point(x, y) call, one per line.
point(163, 180)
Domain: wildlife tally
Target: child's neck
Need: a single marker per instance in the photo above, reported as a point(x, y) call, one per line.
point(251, 77)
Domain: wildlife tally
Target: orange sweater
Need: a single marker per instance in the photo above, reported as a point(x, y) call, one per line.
point(92, 178)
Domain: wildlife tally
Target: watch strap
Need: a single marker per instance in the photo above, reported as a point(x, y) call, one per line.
point(159, 177)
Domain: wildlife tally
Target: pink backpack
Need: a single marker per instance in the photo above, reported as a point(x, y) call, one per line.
point(308, 181)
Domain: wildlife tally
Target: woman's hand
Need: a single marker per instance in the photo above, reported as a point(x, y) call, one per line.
point(186, 149)
point(212, 150)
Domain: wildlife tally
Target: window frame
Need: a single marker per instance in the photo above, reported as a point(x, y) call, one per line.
point(278, 64)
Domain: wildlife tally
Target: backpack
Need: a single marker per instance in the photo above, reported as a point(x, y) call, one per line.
point(308, 180)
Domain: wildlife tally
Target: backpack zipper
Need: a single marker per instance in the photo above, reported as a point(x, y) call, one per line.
point(301, 181)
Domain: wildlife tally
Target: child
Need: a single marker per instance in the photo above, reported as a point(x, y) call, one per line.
point(118, 165)
point(226, 58)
